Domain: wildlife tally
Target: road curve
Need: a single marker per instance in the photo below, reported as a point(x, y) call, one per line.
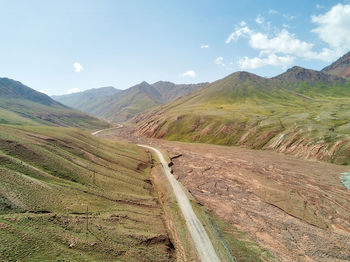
point(99, 131)
point(200, 237)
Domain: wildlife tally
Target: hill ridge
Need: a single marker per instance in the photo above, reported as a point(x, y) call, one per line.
point(340, 67)
point(297, 112)
point(11, 88)
point(22, 105)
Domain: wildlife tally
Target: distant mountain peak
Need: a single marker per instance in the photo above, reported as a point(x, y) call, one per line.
point(244, 76)
point(163, 83)
point(301, 74)
point(341, 67)
point(297, 68)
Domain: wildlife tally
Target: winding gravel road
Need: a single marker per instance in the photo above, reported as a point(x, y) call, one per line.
point(99, 131)
point(200, 237)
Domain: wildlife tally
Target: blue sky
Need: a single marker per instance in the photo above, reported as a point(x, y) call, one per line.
point(61, 46)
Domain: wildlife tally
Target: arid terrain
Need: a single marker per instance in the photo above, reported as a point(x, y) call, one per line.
point(296, 209)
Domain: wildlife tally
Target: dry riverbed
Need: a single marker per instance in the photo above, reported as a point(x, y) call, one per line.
point(298, 210)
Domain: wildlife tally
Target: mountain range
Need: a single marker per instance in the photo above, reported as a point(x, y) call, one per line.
point(19, 104)
point(121, 105)
point(302, 112)
point(76, 197)
point(85, 100)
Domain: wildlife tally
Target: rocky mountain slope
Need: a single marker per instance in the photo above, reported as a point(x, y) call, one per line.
point(299, 74)
point(86, 100)
point(301, 112)
point(21, 105)
point(125, 104)
point(341, 67)
point(170, 91)
point(128, 103)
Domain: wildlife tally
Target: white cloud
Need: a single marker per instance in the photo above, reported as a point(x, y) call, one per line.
point(259, 19)
point(318, 6)
point(189, 73)
point(204, 46)
point(239, 32)
point(219, 60)
point(45, 91)
point(242, 23)
point(281, 42)
point(73, 90)
point(279, 47)
point(288, 17)
point(77, 67)
point(228, 66)
point(271, 60)
point(333, 27)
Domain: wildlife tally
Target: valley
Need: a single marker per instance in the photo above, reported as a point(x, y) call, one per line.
point(246, 168)
point(294, 208)
point(175, 131)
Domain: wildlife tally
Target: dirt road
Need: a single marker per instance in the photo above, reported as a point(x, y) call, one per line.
point(99, 131)
point(200, 237)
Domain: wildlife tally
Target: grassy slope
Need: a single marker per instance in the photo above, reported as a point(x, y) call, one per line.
point(295, 118)
point(130, 105)
point(49, 176)
point(24, 112)
point(87, 100)
point(22, 105)
point(124, 104)
point(127, 103)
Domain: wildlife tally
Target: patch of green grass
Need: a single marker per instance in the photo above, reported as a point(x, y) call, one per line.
point(49, 176)
point(24, 112)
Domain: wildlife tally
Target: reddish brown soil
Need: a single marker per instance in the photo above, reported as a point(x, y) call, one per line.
point(297, 209)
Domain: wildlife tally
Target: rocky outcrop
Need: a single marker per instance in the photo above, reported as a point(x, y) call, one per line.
point(341, 67)
point(298, 74)
point(295, 141)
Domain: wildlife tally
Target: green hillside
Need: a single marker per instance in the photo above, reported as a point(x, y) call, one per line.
point(128, 103)
point(121, 105)
point(50, 176)
point(21, 105)
point(301, 112)
point(87, 100)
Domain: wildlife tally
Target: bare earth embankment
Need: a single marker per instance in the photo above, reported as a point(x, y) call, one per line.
point(297, 209)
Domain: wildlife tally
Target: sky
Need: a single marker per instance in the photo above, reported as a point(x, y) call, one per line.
point(60, 47)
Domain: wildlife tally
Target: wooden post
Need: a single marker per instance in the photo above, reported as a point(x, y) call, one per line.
point(87, 218)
